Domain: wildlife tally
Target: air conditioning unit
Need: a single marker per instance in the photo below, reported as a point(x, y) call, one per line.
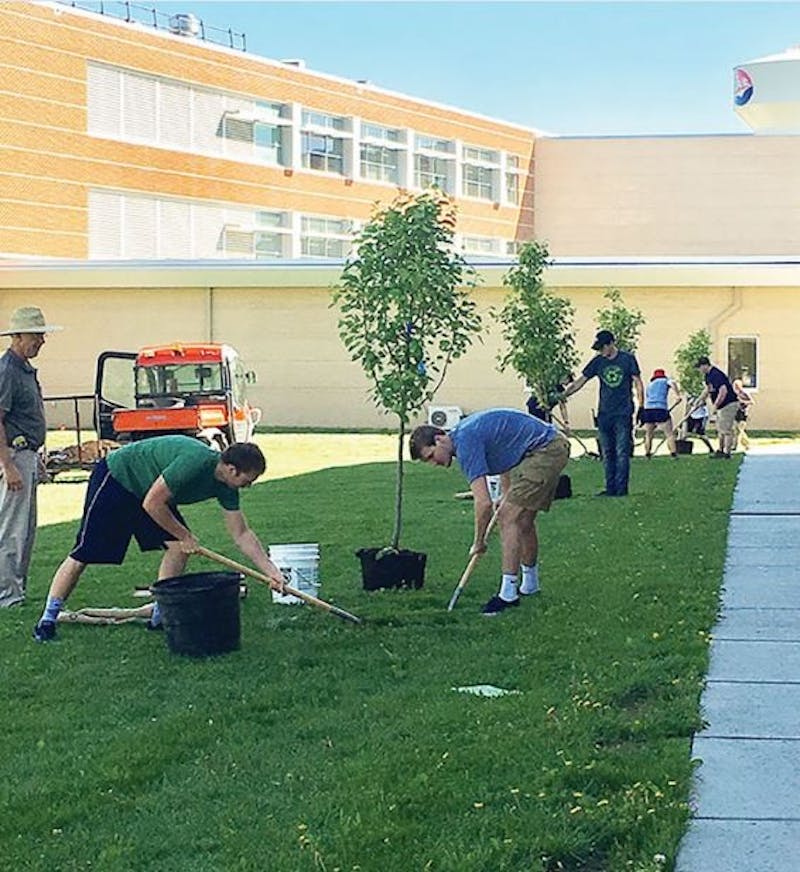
point(184, 24)
point(445, 417)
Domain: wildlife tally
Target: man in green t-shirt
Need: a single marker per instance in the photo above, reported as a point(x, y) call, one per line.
point(135, 492)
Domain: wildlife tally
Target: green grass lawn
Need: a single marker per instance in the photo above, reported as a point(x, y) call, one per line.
point(325, 746)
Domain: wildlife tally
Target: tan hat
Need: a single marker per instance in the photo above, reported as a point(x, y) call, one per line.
point(28, 319)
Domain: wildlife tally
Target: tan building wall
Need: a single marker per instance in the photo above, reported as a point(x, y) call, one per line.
point(48, 161)
point(281, 323)
point(708, 196)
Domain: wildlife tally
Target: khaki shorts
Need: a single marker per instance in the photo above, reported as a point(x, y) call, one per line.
point(725, 418)
point(535, 478)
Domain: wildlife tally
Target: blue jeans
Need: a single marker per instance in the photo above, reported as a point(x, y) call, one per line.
point(615, 433)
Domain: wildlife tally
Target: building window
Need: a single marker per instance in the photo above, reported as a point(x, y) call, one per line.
point(478, 182)
point(268, 142)
point(322, 121)
point(432, 172)
point(270, 219)
point(324, 153)
point(512, 188)
point(512, 247)
point(479, 245)
point(377, 133)
point(267, 239)
point(743, 360)
point(480, 155)
point(481, 173)
point(379, 163)
point(431, 143)
point(271, 111)
point(267, 245)
point(325, 237)
point(264, 130)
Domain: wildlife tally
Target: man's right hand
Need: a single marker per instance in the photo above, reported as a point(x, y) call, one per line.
point(477, 549)
point(12, 476)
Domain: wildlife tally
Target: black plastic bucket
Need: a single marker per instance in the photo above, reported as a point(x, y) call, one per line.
point(200, 612)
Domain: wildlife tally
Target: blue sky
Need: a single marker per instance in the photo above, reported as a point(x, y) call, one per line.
point(570, 68)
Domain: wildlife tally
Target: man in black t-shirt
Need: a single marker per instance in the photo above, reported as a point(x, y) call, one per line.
point(723, 403)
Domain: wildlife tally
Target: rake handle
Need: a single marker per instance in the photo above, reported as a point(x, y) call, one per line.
point(473, 561)
point(574, 436)
point(259, 576)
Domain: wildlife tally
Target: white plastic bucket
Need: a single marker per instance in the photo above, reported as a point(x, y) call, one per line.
point(299, 564)
point(495, 487)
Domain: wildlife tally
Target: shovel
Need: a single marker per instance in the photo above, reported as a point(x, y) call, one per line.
point(259, 576)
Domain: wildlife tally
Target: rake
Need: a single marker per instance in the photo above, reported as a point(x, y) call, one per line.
point(259, 576)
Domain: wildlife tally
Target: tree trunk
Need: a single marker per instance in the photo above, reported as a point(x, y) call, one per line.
point(398, 494)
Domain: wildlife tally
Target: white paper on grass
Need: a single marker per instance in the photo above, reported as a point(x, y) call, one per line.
point(486, 690)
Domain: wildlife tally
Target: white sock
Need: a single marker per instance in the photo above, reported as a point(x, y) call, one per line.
point(530, 579)
point(508, 589)
point(52, 608)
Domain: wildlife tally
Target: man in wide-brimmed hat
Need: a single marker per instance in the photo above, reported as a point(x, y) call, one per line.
point(22, 432)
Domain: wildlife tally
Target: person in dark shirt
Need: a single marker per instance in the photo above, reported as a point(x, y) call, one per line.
point(724, 403)
point(619, 374)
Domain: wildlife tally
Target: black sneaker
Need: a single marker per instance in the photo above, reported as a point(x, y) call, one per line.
point(156, 627)
point(44, 631)
point(497, 604)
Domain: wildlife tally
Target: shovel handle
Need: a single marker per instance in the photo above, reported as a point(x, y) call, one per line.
point(259, 576)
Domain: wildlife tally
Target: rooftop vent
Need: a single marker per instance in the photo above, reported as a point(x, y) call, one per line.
point(184, 24)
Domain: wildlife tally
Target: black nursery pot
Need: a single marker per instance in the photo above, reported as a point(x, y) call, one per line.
point(392, 569)
point(564, 487)
point(684, 446)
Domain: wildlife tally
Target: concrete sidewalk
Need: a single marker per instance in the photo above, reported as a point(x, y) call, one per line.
point(746, 807)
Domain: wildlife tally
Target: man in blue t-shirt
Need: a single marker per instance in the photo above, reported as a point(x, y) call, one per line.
point(723, 403)
point(618, 372)
point(529, 455)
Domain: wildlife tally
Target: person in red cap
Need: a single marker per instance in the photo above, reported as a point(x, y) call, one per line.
point(655, 412)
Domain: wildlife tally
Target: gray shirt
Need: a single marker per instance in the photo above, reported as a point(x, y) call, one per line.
point(21, 400)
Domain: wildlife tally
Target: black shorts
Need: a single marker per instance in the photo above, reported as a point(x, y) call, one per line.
point(111, 516)
point(696, 425)
point(654, 416)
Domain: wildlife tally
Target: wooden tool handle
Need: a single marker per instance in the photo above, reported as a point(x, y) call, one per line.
point(259, 576)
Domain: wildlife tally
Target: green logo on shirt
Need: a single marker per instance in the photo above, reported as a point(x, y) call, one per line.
point(613, 376)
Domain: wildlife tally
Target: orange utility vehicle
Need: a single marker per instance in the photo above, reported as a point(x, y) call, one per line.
point(191, 388)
